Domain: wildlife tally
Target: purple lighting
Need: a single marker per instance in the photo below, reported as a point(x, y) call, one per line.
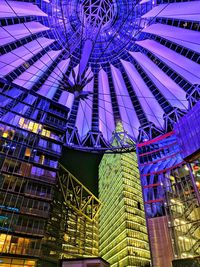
point(107, 61)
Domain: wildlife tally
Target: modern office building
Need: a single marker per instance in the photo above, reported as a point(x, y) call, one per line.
point(86, 262)
point(72, 228)
point(122, 225)
point(31, 144)
point(38, 214)
point(156, 157)
point(171, 199)
point(70, 70)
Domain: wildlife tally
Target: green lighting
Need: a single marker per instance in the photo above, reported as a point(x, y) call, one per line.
point(123, 232)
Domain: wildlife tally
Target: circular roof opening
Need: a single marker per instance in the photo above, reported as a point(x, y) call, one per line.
point(99, 12)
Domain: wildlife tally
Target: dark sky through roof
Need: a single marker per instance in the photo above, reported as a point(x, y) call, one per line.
point(84, 166)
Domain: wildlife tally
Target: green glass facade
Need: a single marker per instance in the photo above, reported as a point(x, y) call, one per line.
point(123, 231)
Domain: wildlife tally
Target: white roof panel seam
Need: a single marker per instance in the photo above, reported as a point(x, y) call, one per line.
point(186, 64)
point(11, 33)
point(121, 92)
point(164, 83)
point(84, 114)
point(137, 83)
point(18, 9)
point(31, 75)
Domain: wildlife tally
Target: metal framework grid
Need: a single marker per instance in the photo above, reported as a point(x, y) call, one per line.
point(128, 59)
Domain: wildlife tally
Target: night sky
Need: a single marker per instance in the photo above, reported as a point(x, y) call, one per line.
point(84, 166)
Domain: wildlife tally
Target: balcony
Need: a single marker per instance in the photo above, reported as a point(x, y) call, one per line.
point(29, 171)
point(28, 230)
point(37, 212)
point(47, 162)
point(58, 113)
point(52, 121)
point(49, 150)
point(45, 177)
point(20, 250)
point(38, 194)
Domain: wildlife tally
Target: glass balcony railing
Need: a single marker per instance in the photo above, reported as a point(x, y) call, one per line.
point(28, 170)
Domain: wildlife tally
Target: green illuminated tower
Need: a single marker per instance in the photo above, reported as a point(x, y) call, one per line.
point(123, 232)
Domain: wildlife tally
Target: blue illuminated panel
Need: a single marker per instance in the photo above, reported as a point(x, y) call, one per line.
point(188, 133)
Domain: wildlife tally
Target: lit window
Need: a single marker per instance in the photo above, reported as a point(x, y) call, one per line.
point(27, 152)
point(30, 126)
point(46, 133)
point(5, 134)
point(21, 122)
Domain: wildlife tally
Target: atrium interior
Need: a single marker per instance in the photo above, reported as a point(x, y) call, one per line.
point(114, 86)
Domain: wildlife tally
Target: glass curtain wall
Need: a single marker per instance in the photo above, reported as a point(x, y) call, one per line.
point(123, 232)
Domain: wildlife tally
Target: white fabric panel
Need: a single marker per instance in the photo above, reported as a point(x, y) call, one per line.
point(76, 70)
point(18, 56)
point(86, 52)
point(28, 78)
point(182, 65)
point(149, 104)
point(106, 120)
point(171, 91)
point(11, 33)
point(51, 84)
point(127, 112)
point(184, 37)
point(144, 2)
point(66, 99)
point(84, 115)
point(19, 9)
point(184, 10)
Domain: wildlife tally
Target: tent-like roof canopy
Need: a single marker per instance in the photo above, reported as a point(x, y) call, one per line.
point(108, 61)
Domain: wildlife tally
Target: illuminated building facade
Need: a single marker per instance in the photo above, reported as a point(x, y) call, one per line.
point(185, 196)
point(96, 262)
point(31, 142)
point(73, 230)
point(183, 212)
point(33, 216)
point(171, 200)
point(77, 67)
point(123, 232)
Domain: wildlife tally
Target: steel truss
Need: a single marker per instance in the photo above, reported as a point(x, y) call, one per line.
point(77, 196)
point(72, 230)
point(121, 141)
